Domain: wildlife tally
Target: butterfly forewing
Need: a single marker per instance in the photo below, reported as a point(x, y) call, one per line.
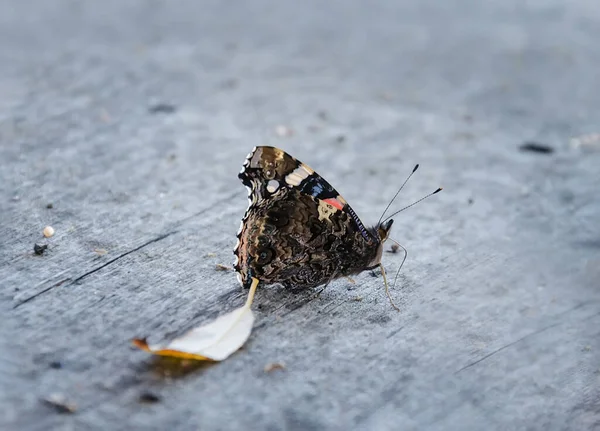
point(297, 231)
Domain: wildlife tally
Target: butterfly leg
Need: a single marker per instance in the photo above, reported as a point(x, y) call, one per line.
point(322, 289)
point(403, 260)
point(326, 284)
point(387, 289)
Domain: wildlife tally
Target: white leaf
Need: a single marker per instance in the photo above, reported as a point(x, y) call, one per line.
point(214, 341)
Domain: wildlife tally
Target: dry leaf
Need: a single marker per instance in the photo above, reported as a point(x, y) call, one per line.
point(274, 366)
point(60, 403)
point(215, 341)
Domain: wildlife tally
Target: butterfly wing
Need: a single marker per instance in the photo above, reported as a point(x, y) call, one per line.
point(297, 230)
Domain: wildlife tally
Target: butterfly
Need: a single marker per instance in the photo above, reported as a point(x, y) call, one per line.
point(298, 231)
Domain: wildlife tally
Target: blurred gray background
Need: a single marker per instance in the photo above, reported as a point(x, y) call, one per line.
point(123, 124)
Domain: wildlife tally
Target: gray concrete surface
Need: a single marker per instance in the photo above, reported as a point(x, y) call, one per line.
point(500, 297)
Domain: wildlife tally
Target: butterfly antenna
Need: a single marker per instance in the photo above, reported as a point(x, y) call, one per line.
point(387, 289)
point(396, 195)
point(414, 203)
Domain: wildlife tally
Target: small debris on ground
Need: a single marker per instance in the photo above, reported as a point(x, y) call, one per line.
point(100, 251)
point(49, 205)
point(59, 403)
point(536, 147)
point(323, 115)
point(592, 139)
point(231, 46)
point(470, 201)
point(211, 254)
point(464, 136)
point(148, 397)
point(104, 116)
point(39, 249)
point(340, 139)
point(55, 365)
point(229, 83)
point(283, 131)
point(162, 108)
point(387, 96)
point(221, 267)
point(394, 248)
point(274, 366)
point(357, 298)
point(48, 231)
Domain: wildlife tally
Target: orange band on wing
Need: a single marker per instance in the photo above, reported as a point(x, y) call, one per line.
point(334, 202)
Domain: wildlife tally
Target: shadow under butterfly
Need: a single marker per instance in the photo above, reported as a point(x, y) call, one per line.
point(298, 231)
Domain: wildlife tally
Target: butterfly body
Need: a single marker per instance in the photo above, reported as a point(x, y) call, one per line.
point(298, 231)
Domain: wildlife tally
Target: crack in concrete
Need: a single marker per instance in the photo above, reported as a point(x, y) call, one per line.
point(92, 271)
point(151, 241)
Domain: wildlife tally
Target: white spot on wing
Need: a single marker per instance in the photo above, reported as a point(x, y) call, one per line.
point(272, 186)
point(293, 179)
point(301, 171)
point(299, 174)
point(239, 279)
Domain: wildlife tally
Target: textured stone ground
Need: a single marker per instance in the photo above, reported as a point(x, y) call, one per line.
point(132, 119)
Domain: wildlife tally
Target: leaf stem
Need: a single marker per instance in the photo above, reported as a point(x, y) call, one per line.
point(251, 293)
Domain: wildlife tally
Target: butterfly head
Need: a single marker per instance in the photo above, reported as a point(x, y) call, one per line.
point(383, 230)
